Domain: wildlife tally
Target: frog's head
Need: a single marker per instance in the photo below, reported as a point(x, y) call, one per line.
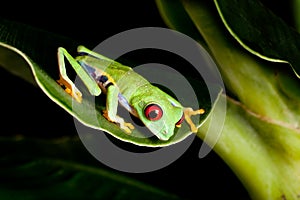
point(160, 113)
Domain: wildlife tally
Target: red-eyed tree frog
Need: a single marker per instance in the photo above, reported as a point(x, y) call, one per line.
point(159, 112)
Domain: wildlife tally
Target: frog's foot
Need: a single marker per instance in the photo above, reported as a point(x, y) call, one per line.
point(70, 88)
point(188, 112)
point(127, 127)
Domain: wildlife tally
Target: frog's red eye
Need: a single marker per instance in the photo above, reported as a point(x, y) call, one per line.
point(153, 112)
point(180, 121)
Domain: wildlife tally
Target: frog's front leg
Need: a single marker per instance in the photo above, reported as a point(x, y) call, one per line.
point(188, 112)
point(112, 107)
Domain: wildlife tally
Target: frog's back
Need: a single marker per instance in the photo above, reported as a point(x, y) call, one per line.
point(124, 77)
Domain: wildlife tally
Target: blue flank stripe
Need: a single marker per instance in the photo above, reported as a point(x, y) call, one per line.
point(88, 68)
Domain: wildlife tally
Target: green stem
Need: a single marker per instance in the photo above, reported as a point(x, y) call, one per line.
point(249, 78)
point(260, 139)
point(296, 12)
point(263, 155)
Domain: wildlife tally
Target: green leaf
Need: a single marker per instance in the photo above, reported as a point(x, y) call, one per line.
point(260, 138)
point(55, 169)
point(296, 13)
point(260, 31)
point(39, 54)
point(176, 17)
point(260, 92)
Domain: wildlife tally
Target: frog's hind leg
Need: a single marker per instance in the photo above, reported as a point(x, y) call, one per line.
point(64, 80)
point(84, 50)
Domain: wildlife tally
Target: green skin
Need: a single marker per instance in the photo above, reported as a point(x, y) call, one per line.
point(135, 97)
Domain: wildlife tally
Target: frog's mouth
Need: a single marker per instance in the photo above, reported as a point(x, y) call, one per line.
point(163, 138)
point(165, 133)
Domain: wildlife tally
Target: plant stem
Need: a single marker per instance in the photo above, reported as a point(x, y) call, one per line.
point(263, 155)
point(260, 139)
